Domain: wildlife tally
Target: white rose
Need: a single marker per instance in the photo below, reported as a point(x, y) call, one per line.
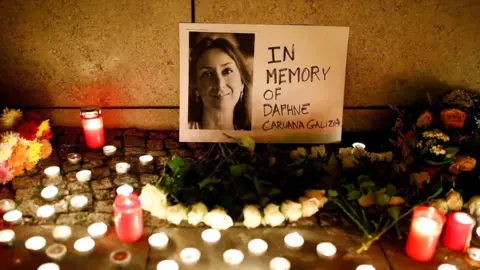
point(374, 157)
point(159, 211)
point(197, 214)
point(315, 193)
point(309, 206)
point(272, 215)
point(176, 213)
point(387, 156)
point(252, 217)
point(359, 152)
point(349, 162)
point(291, 210)
point(218, 219)
point(345, 152)
point(153, 200)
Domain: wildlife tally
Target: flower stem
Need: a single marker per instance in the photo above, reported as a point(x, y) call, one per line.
point(360, 226)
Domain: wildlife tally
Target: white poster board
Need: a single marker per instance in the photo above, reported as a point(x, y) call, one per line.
point(282, 84)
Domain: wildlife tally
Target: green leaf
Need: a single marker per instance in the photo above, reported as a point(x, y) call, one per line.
point(237, 170)
point(391, 190)
point(438, 163)
point(364, 178)
point(299, 172)
point(247, 142)
point(207, 181)
point(273, 191)
point(450, 152)
point(332, 193)
point(366, 185)
point(382, 199)
point(332, 167)
point(348, 187)
point(354, 195)
point(394, 212)
point(176, 164)
point(258, 187)
point(296, 162)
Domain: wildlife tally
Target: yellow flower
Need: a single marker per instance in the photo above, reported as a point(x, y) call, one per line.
point(43, 128)
point(33, 152)
point(366, 200)
point(10, 138)
point(317, 151)
point(419, 179)
point(5, 151)
point(396, 200)
point(298, 153)
point(9, 118)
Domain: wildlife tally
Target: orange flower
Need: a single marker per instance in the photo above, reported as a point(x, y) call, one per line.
point(29, 165)
point(46, 149)
point(425, 120)
point(462, 164)
point(19, 155)
point(453, 118)
point(419, 179)
point(18, 170)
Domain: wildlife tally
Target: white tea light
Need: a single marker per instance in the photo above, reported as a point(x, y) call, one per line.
point(211, 236)
point(233, 256)
point(158, 240)
point(474, 254)
point(74, 158)
point(35, 243)
point(84, 245)
point(167, 265)
point(78, 201)
point(84, 176)
point(279, 263)
point(109, 150)
point(49, 193)
point(49, 266)
point(120, 257)
point(478, 231)
point(125, 190)
point(7, 237)
point(190, 255)
point(122, 167)
point(6, 205)
point(447, 266)
point(45, 211)
point(13, 217)
point(326, 249)
point(145, 159)
point(365, 267)
point(62, 233)
point(52, 171)
point(97, 229)
point(359, 145)
point(294, 240)
point(257, 246)
point(56, 251)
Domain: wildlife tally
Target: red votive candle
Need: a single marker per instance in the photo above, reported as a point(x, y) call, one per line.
point(92, 123)
point(425, 230)
point(128, 217)
point(458, 231)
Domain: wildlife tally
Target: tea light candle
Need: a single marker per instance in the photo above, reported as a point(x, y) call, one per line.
point(365, 267)
point(120, 257)
point(7, 237)
point(125, 190)
point(294, 240)
point(35, 243)
point(74, 158)
point(62, 233)
point(478, 231)
point(326, 249)
point(279, 263)
point(45, 211)
point(233, 256)
point(474, 254)
point(190, 255)
point(257, 246)
point(6, 205)
point(359, 145)
point(52, 171)
point(84, 176)
point(49, 266)
point(109, 150)
point(49, 193)
point(167, 265)
point(158, 240)
point(145, 159)
point(56, 252)
point(13, 217)
point(211, 236)
point(97, 230)
point(122, 167)
point(447, 266)
point(84, 245)
point(78, 201)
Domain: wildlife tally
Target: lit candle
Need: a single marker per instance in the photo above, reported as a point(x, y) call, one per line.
point(425, 230)
point(294, 240)
point(120, 257)
point(145, 159)
point(128, 217)
point(190, 255)
point(78, 202)
point(84, 245)
point(49, 193)
point(6, 205)
point(359, 145)
point(167, 265)
point(62, 233)
point(84, 176)
point(158, 241)
point(45, 211)
point(257, 246)
point(326, 249)
point(474, 254)
point(233, 256)
point(447, 266)
point(92, 123)
point(56, 251)
point(211, 236)
point(124, 189)
point(109, 150)
point(279, 263)
point(7, 237)
point(478, 231)
point(49, 266)
point(458, 231)
point(122, 167)
point(35, 243)
point(74, 158)
point(13, 217)
point(52, 171)
point(365, 267)
point(97, 230)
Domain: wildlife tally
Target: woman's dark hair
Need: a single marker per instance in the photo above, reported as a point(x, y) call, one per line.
point(241, 118)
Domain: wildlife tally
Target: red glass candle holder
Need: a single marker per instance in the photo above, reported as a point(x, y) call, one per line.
point(92, 123)
point(458, 231)
point(128, 217)
point(425, 229)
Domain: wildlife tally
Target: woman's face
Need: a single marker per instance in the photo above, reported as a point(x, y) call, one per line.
point(219, 82)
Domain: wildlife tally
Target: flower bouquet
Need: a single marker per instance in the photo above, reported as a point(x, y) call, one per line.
point(24, 140)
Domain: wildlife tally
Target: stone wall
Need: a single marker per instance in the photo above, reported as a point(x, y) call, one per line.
point(123, 55)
